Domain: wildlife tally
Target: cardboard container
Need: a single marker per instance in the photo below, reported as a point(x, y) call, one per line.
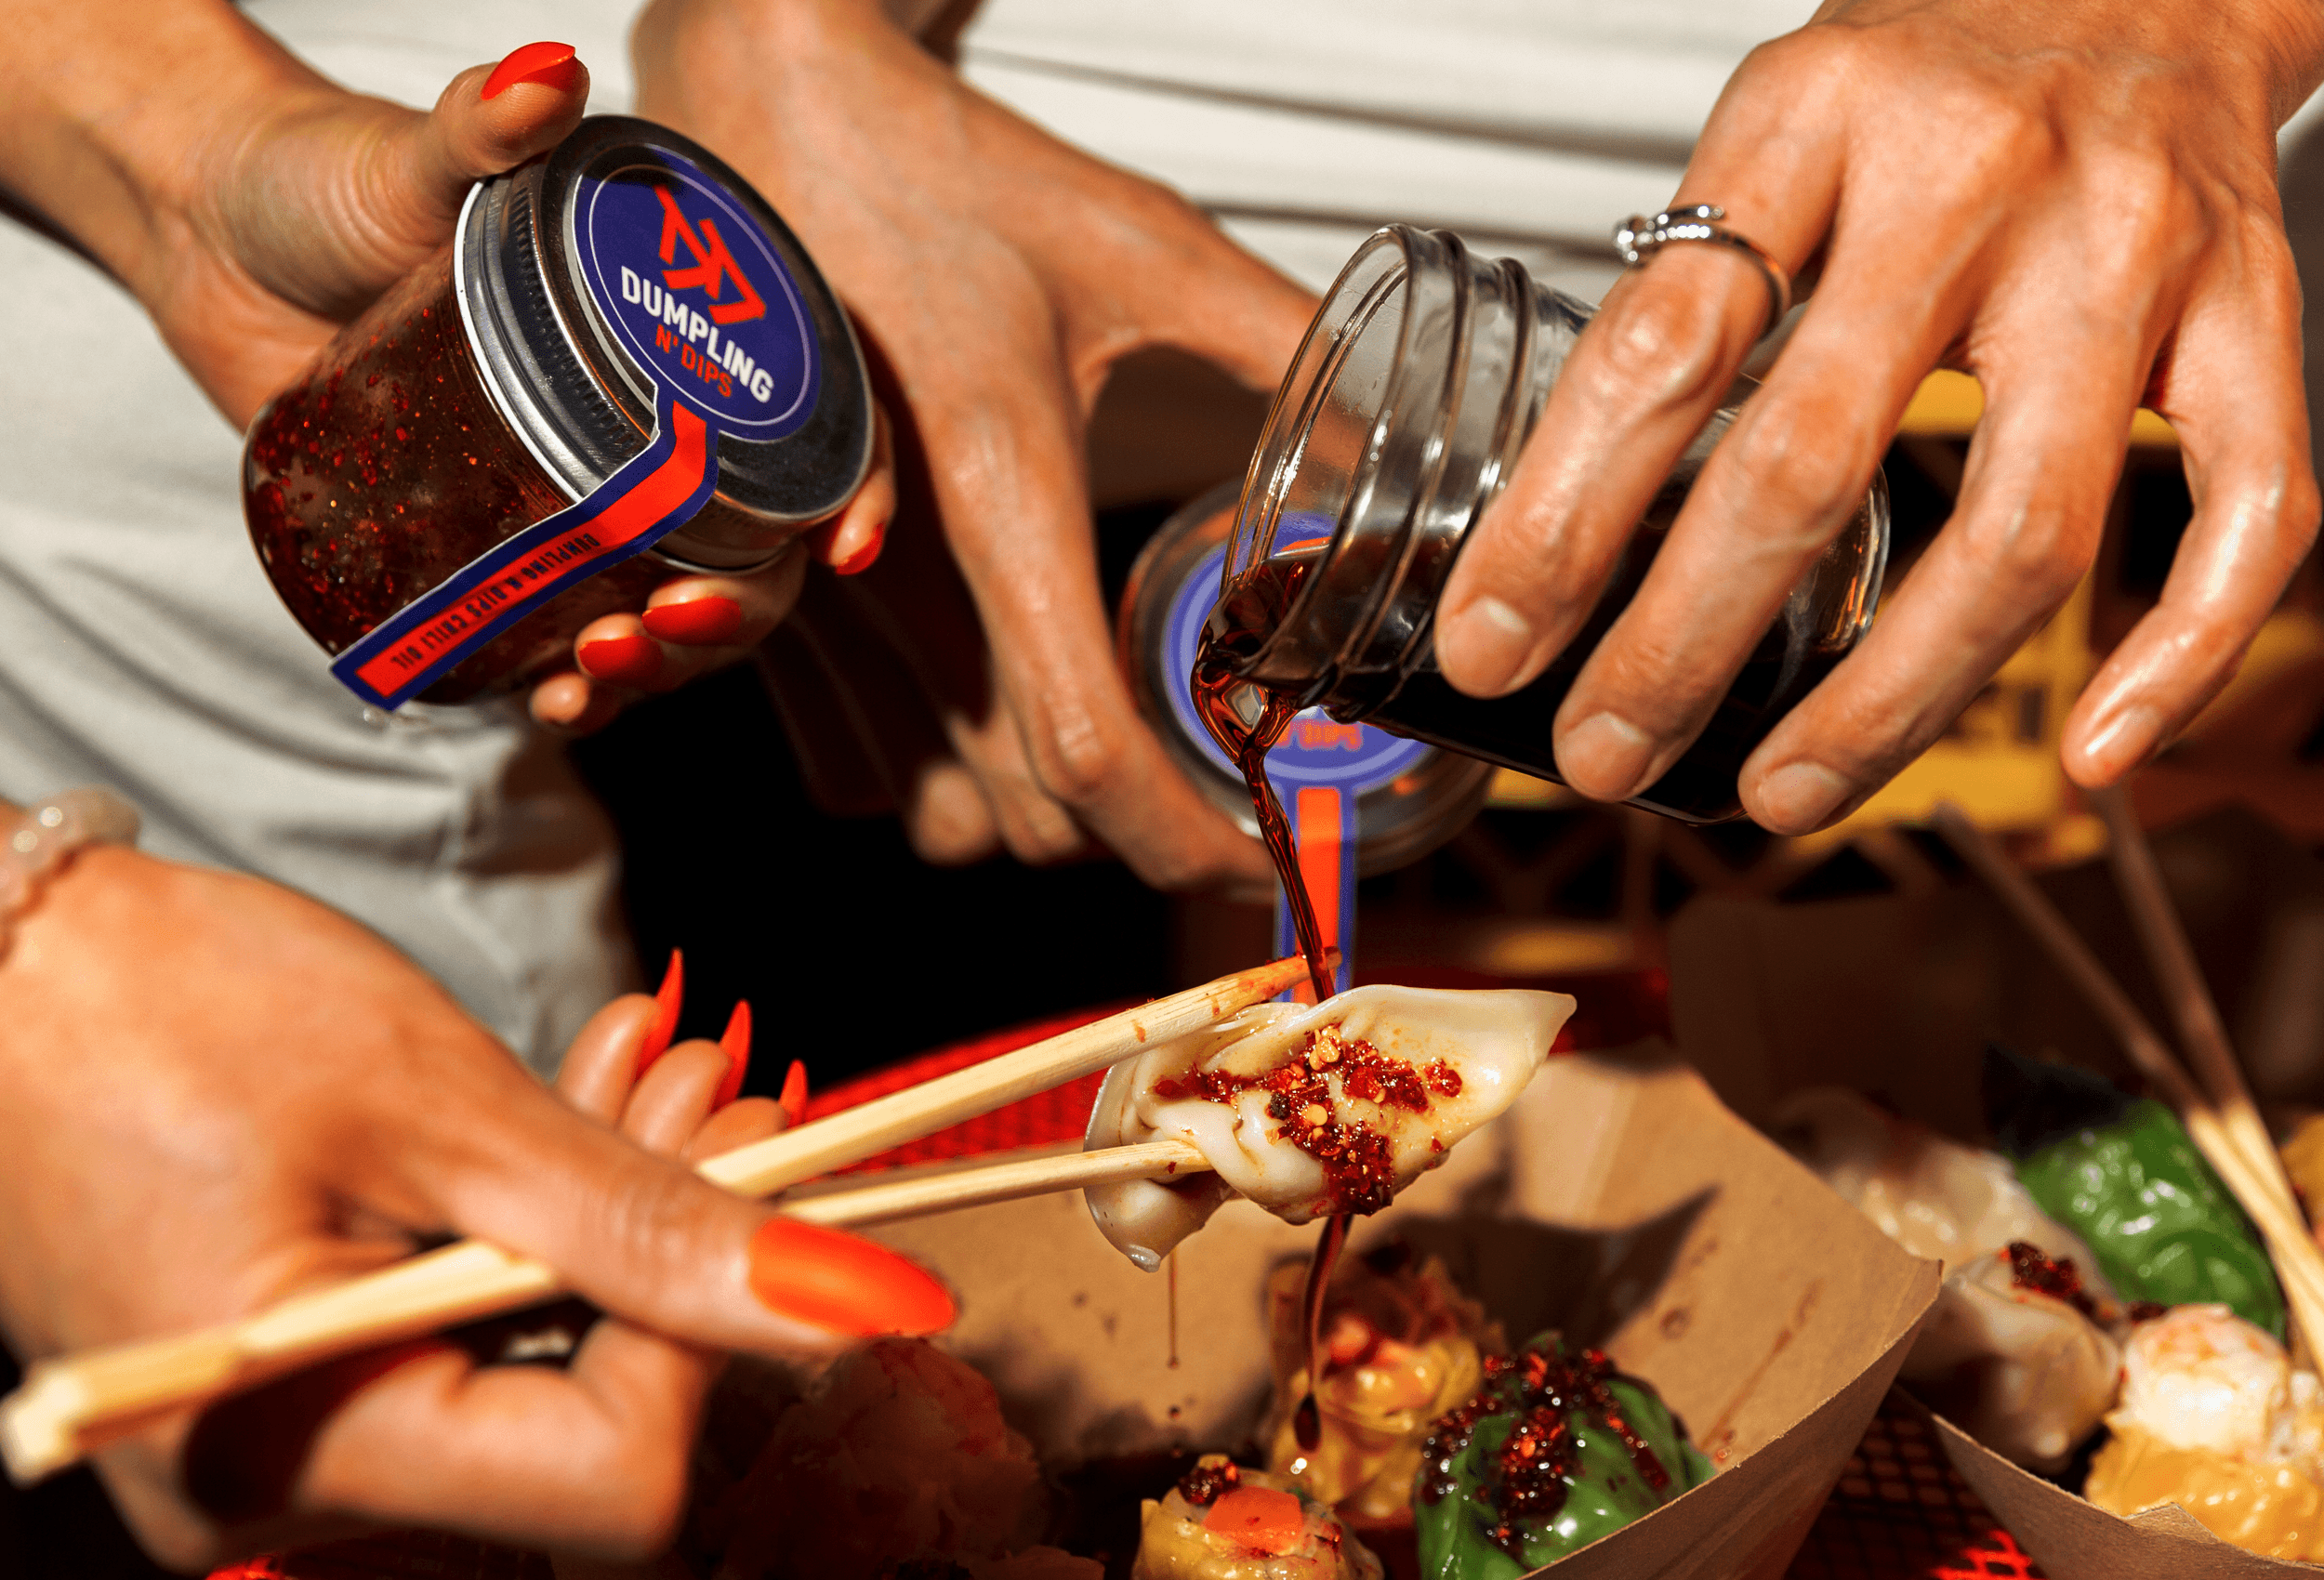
point(1618, 1200)
point(1895, 996)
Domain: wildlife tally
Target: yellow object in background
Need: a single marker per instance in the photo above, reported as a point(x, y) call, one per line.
point(1998, 761)
point(1947, 405)
point(2271, 1510)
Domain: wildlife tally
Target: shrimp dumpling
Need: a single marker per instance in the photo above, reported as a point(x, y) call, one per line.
point(2215, 1419)
point(1308, 1111)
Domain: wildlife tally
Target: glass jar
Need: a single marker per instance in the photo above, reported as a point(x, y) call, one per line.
point(595, 306)
point(1416, 388)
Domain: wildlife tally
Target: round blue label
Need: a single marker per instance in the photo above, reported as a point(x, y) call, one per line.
point(1318, 749)
point(698, 294)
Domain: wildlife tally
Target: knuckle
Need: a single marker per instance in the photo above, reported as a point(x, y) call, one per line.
point(1040, 834)
point(1076, 752)
point(1805, 480)
point(1662, 344)
point(1995, 140)
point(2036, 552)
point(1810, 62)
point(654, 1221)
point(2149, 216)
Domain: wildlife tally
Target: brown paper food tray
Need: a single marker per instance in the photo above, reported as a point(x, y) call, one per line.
point(1618, 1200)
point(1894, 996)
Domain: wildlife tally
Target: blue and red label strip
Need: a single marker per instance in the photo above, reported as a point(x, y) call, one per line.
point(656, 490)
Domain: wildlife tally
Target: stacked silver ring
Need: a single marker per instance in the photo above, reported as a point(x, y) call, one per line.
point(1639, 238)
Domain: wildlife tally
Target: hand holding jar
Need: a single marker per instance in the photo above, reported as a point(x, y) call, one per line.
point(2078, 206)
point(254, 207)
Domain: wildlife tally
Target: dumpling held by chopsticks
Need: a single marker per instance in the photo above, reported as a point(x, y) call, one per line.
point(1314, 1111)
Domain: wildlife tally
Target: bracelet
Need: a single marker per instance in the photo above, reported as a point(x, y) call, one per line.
point(45, 836)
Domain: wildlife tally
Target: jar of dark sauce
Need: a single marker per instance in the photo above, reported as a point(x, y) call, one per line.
point(1415, 390)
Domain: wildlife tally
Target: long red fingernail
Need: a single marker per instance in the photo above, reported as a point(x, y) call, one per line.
point(793, 1102)
point(705, 622)
point(552, 65)
point(734, 1042)
point(861, 561)
point(622, 660)
point(836, 1281)
point(668, 999)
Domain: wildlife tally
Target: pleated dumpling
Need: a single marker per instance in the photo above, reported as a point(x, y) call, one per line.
point(1313, 1111)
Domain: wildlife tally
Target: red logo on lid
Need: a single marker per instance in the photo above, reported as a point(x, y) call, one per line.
point(713, 265)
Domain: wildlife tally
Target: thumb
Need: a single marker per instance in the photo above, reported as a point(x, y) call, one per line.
point(651, 1241)
point(489, 119)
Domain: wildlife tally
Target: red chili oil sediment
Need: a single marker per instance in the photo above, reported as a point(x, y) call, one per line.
point(1530, 1476)
point(388, 467)
point(2031, 1267)
point(1358, 1162)
point(1213, 1475)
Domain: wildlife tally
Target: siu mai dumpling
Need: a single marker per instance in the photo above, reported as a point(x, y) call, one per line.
point(1308, 1111)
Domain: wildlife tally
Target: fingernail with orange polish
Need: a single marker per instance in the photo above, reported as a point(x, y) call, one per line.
point(552, 65)
point(703, 621)
point(734, 1042)
point(794, 1099)
point(668, 999)
point(835, 1281)
point(622, 660)
point(861, 561)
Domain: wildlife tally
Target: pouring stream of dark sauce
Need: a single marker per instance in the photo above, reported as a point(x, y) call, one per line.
point(1242, 619)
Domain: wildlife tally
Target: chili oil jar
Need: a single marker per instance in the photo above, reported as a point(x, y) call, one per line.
point(1410, 796)
point(1404, 412)
point(623, 363)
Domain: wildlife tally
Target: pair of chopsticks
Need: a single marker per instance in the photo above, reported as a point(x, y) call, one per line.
point(2219, 1115)
point(69, 1405)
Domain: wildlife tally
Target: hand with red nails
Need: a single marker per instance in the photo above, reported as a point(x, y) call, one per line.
point(254, 206)
point(968, 674)
point(250, 203)
point(2076, 204)
point(215, 1093)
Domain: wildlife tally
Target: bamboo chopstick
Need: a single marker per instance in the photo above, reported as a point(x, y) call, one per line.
point(2254, 1175)
point(70, 1405)
point(2172, 955)
point(1000, 1182)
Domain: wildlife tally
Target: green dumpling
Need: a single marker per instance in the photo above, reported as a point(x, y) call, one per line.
point(1555, 1450)
point(2123, 1175)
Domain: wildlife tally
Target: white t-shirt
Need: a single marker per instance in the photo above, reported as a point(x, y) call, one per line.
point(1531, 126)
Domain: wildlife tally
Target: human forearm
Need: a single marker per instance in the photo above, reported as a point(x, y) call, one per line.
point(119, 110)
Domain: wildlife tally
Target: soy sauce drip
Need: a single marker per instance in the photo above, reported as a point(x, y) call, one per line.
point(1307, 1421)
point(1171, 1263)
point(1248, 611)
point(1234, 630)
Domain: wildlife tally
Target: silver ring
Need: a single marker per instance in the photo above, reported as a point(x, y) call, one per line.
point(1639, 238)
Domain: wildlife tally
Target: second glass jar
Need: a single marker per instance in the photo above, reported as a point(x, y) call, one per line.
point(1403, 414)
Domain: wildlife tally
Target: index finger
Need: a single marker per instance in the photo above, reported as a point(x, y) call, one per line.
point(1646, 375)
